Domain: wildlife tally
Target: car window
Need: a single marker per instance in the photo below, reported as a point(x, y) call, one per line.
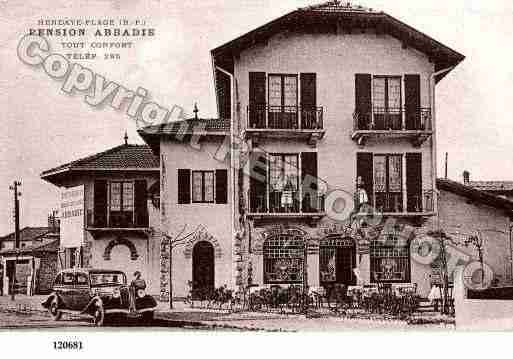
point(67, 278)
point(98, 279)
point(82, 279)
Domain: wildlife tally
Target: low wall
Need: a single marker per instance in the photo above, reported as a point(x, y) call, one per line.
point(480, 314)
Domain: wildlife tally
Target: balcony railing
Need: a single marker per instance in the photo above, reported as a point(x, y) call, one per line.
point(389, 202)
point(285, 203)
point(264, 116)
point(392, 119)
point(392, 202)
point(125, 220)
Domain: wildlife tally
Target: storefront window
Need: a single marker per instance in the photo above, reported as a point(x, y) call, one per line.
point(390, 260)
point(283, 259)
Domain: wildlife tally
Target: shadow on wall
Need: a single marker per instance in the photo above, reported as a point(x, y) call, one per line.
point(480, 314)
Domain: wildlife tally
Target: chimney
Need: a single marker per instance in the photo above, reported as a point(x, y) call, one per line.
point(466, 178)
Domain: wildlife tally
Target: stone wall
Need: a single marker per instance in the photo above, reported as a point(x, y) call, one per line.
point(46, 273)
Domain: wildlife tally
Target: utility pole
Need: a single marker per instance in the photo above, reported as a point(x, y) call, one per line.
point(14, 188)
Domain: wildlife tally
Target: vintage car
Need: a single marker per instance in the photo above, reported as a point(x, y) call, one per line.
point(99, 293)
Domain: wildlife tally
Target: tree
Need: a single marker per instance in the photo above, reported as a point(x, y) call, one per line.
point(474, 240)
point(180, 238)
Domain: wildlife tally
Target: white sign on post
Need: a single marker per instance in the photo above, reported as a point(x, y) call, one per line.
point(72, 217)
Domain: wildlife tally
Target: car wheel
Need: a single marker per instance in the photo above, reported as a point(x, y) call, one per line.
point(54, 309)
point(98, 315)
point(147, 317)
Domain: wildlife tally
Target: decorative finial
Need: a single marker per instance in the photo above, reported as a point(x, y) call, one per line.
point(126, 138)
point(195, 111)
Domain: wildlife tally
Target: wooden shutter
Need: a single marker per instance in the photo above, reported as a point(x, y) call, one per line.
point(100, 203)
point(140, 204)
point(414, 182)
point(258, 182)
point(364, 169)
point(257, 99)
point(221, 186)
point(224, 89)
point(412, 101)
point(184, 186)
point(310, 201)
point(363, 105)
point(308, 100)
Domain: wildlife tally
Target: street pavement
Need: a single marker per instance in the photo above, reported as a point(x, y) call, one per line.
point(27, 312)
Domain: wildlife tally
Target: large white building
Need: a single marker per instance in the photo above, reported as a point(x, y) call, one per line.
point(314, 102)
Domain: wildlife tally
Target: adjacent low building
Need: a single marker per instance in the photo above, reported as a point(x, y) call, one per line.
point(35, 260)
point(110, 211)
point(463, 212)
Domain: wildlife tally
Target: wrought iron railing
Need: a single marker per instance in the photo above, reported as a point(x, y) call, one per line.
point(392, 202)
point(392, 118)
point(124, 219)
point(264, 116)
point(285, 202)
point(389, 202)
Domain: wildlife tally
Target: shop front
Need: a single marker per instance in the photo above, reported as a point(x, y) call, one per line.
point(293, 255)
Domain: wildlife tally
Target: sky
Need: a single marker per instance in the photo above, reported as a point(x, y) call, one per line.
point(42, 127)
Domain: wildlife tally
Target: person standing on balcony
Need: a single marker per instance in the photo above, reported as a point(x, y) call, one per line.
point(287, 197)
point(361, 199)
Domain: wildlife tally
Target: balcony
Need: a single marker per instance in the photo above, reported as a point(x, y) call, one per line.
point(128, 221)
point(304, 122)
point(392, 123)
point(285, 204)
point(392, 204)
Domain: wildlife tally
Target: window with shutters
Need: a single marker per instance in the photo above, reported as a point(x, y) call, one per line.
point(387, 102)
point(388, 188)
point(284, 183)
point(121, 204)
point(203, 186)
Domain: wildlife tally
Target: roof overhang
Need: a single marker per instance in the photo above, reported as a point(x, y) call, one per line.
point(310, 19)
point(62, 175)
point(476, 195)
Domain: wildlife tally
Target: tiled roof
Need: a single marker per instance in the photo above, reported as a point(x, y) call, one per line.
point(492, 186)
point(52, 246)
point(125, 156)
point(327, 16)
point(474, 194)
point(27, 234)
point(189, 126)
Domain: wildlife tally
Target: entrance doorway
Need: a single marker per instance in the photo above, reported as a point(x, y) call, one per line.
point(337, 260)
point(202, 269)
point(23, 271)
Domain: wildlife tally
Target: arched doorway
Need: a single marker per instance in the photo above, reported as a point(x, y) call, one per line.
point(202, 268)
point(337, 259)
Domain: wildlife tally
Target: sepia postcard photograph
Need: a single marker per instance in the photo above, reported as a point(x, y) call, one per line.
point(208, 167)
